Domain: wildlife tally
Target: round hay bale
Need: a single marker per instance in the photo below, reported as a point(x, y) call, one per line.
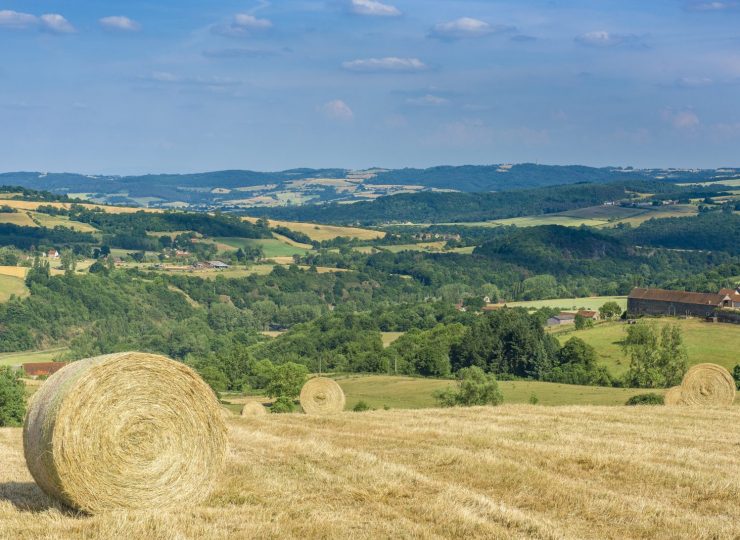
point(125, 431)
point(673, 396)
point(708, 385)
point(254, 409)
point(322, 396)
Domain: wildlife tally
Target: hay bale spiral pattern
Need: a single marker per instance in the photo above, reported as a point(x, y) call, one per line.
point(322, 396)
point(673, 396)
point(254, 409)
point(125, 431)
point(708, 385)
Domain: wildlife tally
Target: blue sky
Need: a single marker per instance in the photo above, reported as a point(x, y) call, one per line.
point(143, 86)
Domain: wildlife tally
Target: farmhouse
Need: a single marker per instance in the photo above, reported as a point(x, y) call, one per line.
point(662, 302)
point(42, 369)
point(589, 314)
point(561, 319)
point(52, 254)
point(734, 295)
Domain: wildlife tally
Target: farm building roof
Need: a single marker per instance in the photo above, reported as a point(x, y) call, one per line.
point(42, 368)
point(680, 297)
point(589, 314)
point(734, 294)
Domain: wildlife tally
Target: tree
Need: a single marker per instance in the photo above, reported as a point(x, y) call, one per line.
point(474, 303)
point(286, 380)
point(12, 398)
point(736, 375)
point(576, 363)
point(610, 310)
point(474, 387)
point(657, 359)
point(215, 379)
point(69, 261)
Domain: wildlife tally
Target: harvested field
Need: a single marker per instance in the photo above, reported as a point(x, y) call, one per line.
point(324, 232)
point(507, 472)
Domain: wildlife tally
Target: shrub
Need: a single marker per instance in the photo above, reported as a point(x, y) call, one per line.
point(533, 399)
point(361, 407)
point(12, 398)
point(283, 404)
point(646, 399)
point(474, 387)
point(736, 375)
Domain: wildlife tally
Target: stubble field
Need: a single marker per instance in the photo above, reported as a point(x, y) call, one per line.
point(506, 472)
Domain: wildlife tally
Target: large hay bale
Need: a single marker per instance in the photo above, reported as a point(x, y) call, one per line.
point(322, 396)
point(125, 431)
point(254, 409)
point(673, 396)
point(708, 385)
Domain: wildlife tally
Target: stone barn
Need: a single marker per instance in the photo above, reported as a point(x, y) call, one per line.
point(674, 303)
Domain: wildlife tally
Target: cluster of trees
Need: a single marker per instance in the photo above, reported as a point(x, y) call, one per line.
point(12, 398)
point(658, 357)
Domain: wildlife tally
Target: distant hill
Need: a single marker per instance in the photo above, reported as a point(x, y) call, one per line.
point(428, 207)
point(236, 189)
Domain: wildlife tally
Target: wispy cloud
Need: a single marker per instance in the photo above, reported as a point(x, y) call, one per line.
point(389, 63)
point(604, 39)
point(724, 5)
point(427, 100)
point(57, 24)
point(374, 8)
point(338, 110)
point(48, 22)
point(467, 27)
point(237, 52)
point(119, 22)
point(684, 119)
point(166, 77)
point(242, 24)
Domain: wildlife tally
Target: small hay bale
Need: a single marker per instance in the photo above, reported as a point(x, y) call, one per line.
point(673, 396)
point(708, 385)
point(322, 396)
point(254, 409)
point(125, 431)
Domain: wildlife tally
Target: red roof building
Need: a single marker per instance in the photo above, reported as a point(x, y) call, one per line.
point(42, 369)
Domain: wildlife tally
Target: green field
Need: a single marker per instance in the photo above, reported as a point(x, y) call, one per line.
point(705, 342)
point(416, 393)
point(271, 246)
point(10, 285)
point(63, 221)
point(30, 357)
point(591, 303)
point(551, 219)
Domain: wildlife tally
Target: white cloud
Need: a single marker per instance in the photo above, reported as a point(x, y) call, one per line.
point(166, 77)
point(374, 8)
point(428, 100)
point(682, 119)
point(14, 19)
point(466, 27)
point(53, 22)
point(693, 82)
point(243, 24)
point(119, 22)
point(389, 63)
point(602, 38)
point(338, 110)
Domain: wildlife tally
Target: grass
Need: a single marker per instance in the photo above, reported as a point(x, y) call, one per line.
point(14, 271)
point(320, 233)
point(591, 303)
point(515, 471)
point(705, 342)
point(30, 357)
point(271, 246)
point(10, 285)
point(550, 219)
point(33, 205)
point(400, 392)
point(21, 219)
point(390, 337)
point(422, 246)
point(52, 221)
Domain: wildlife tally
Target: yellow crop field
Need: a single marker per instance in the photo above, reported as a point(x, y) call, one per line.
point(324, 232)
point(33, 205)
point(19, 218)
point(14, 271)
point(515, 471)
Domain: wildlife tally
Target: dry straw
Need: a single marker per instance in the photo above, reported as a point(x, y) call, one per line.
point(253, 409)
point(125, 431)
point(322, 396)
point(673, 396)
point(708, 385)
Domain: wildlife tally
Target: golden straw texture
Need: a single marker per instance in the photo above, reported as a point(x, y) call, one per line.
point(253, 409)
point(708, 385)
point(125, 431)
point(322, 396)
point(673, 396)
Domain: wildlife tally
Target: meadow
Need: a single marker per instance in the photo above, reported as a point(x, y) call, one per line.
point(570, 304)
point(319, 233)
point(705, 342)
point(380, 391)
point(11, 285)
point(516, 471)
point(31, 357)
